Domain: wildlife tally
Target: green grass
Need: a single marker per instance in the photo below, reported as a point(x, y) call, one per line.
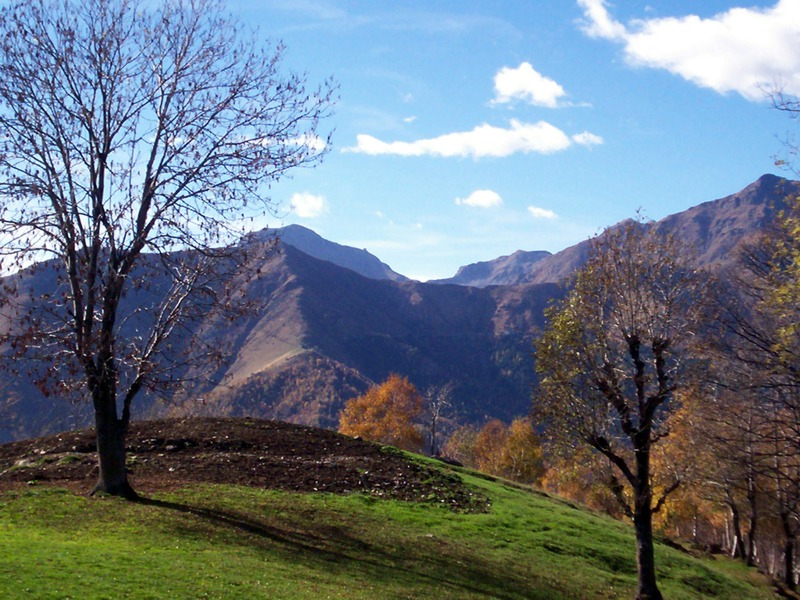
point(225, 542)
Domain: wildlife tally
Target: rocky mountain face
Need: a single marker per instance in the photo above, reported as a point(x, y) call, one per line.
point(333, 320)
point(715, 230)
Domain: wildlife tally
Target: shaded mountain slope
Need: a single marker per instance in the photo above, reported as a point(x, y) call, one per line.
point(327, 333)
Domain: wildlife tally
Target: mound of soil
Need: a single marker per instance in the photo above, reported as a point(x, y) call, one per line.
point(171, 453)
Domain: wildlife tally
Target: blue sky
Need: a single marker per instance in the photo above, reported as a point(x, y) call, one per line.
point(469, 129)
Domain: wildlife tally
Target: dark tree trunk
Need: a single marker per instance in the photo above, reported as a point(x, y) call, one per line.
point(111, 434)
point(751, 536)
point(645, 558)
point(753, 519)
point(788, 552)
point(788, 564)
point(738, 550)
point(643, 522)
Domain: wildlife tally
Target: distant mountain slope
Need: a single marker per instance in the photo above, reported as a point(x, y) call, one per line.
point(324, 332)
point(714, 230)
point(323, 335)
point(327, 333)
point(506, 270)
point(360, 261)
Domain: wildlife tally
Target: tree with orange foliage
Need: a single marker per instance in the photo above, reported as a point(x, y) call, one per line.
point(460, 446)
point(386, 413)
point(705, 508)
point(581, 475)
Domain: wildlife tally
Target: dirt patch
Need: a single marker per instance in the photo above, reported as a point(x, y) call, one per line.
point(171, 453)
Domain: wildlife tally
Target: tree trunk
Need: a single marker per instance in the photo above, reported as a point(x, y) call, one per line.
point(111, 433)
point(788, 552)
point(643, 524)
point(753, 520)
point(645, 558)
point(738, 550)
point(751, 537)
point(434, 449)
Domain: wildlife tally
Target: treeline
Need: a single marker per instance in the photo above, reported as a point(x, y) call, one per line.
point(668, 395)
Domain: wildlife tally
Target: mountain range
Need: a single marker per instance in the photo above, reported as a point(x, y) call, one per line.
point(335, 320)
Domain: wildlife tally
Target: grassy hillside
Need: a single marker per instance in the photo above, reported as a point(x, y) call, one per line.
point(223, 541)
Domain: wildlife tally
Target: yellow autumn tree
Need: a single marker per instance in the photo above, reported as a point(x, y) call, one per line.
point(513, 451)
point(460, 446)
point(386, 413)
point(489, 446)
point(584, 477)
point(522, 453)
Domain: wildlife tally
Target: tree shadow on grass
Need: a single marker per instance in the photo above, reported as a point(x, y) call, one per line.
point(403, 562)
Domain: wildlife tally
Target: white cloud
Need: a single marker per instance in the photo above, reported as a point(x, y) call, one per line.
point(599, 22)
point(308, 206)
point(481, 199)
point(743, 50)
point(410, 119)
point(485, 140)
point(587, 139)
point(541, 213)
point(313, 142)
point(527, 84)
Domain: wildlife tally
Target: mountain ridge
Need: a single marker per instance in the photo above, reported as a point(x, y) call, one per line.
point(326, 332)
point(311, 243)
point(504, 270)
point(713, 228)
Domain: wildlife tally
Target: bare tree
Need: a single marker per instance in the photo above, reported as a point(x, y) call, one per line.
point(612, 357)
point(136, 138)
point(438, 402)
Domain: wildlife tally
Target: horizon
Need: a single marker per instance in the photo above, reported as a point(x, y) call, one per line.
point(518, 250)
point(467, 131)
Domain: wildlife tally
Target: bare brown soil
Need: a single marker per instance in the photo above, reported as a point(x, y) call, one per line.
point(172, 453)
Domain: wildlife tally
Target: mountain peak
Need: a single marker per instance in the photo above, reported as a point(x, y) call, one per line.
point(767, 179)
point(307, 241)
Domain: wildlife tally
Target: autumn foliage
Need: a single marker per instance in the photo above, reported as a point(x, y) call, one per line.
point(386, 413)
point(513, 452)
